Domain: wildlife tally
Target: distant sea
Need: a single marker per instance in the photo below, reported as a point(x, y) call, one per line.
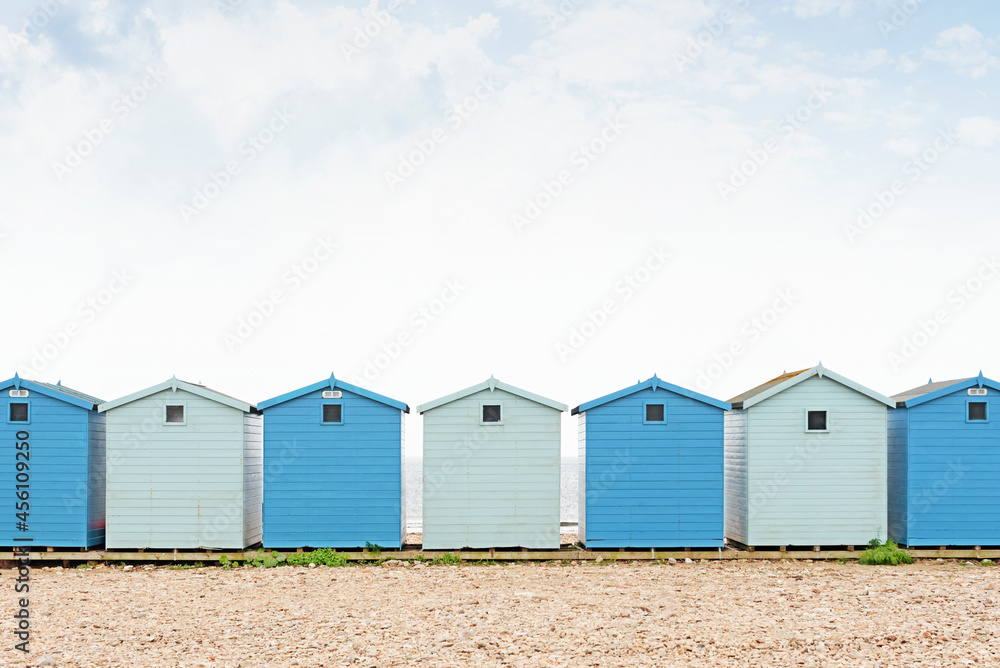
point(415, 496)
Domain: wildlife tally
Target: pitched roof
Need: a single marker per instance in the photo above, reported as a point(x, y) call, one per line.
point(737, 401)
point(932, 391)
point(491, 384)
point(333, 383)
point(788, 380)
point(175, 384)
point(654, 383)
point(59, 391)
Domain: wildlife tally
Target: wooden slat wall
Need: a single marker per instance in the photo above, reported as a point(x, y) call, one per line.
point(491, 485)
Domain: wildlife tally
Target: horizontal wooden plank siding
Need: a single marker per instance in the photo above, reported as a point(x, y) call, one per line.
point(654, 485)
point(333, 485)
point(63, 501)
point(175, 486)
point(736, 467)
point(898, 471)
point(807, 488)
point(491, 485)
point(953, 491)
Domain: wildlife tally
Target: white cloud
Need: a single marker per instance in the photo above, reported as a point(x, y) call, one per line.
point(979, 131)
point(902, 146)
point(964, 48)
point(807, 9)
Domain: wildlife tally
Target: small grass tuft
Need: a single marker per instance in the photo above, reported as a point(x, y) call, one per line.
point(889, 554)
point(447, 559)
point(986, 562)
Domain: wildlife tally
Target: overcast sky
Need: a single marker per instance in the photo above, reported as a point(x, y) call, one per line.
point(570, 196)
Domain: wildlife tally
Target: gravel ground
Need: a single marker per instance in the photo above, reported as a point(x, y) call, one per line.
point(608, 614)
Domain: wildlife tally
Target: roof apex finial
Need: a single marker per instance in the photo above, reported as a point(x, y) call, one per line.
point(17, 381)
point(174, 383)
point(820, 369)
point(492, 383)
point(980, 379)
point(333, 381)
point(654, 382)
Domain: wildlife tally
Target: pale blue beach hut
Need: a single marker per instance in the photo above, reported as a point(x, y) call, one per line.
point(491, 457)
point(806, 462)
point(185, 469)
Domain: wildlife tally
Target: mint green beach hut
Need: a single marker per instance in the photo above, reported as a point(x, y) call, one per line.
point(185, 469)
point(491, 456)
point(806, 462)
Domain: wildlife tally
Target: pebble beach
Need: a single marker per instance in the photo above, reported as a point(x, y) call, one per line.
point(530, 614)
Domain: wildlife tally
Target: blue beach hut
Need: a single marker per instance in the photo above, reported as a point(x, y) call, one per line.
point(333, 468)
point(944, 464)
point(55, 441)
point(651, 468)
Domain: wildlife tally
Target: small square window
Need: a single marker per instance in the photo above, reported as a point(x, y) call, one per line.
point(492, 413)
point(174, 414)
point(333, 413)
point(977, 411)
point(655, 413)
point(816, 421)
point(18, 412)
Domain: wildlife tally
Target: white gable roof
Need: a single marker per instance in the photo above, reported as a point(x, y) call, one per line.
point(175, 384)
point(491, 384)
point(821, 372)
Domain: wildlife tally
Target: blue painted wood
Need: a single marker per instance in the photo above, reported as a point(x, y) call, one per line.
point(946, 490)
point(333, 485)
point(647, 485)
point(66, 466)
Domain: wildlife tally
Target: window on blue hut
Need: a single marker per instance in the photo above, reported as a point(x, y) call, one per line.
point(18, 412)
point(816, 421)
point(656, 413)
point(333, 413)
point(492, 413)
point(174, 414)
point(977, 411)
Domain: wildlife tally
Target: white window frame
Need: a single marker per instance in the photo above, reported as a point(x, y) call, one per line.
point(184, 407)
point(483, 404)
point(817, 410)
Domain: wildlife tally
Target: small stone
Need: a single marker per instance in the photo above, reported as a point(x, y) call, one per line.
point(312, 565)
point(128, 567)
point(599, 560)
point(688, 561)
point(671, 560)
point(46, 661)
